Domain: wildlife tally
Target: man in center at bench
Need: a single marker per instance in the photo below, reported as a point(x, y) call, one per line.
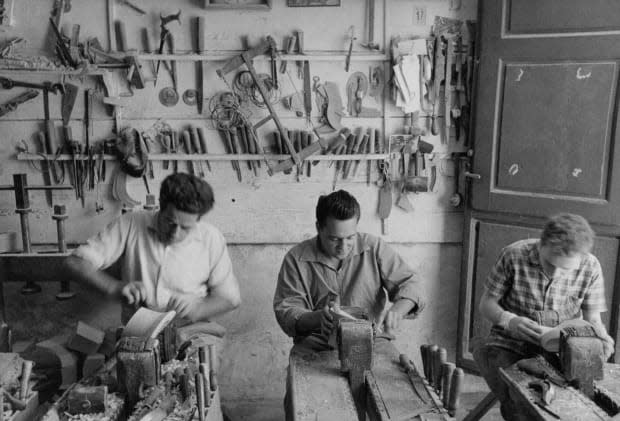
point(358, 269)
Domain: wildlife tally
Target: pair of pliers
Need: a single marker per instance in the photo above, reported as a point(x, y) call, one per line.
point(171, 66)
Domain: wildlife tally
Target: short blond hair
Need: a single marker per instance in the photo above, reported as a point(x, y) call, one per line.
point(567, 234)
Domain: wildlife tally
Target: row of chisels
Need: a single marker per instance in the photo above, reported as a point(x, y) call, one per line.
point(442, 376)
point(241, 140)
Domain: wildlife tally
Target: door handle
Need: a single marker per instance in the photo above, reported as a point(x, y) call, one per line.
point(472, 175)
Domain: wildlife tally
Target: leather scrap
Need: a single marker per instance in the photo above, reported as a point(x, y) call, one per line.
point(131, 152)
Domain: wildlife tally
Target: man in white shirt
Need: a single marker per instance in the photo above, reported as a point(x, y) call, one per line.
point(172, 259)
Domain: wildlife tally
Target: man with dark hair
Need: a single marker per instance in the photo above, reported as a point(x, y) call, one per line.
point(172, 259)
point(341, 266)
point(534, 286)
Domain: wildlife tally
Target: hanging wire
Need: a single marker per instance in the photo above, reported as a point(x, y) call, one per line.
point(226, 111)
point(245, 87)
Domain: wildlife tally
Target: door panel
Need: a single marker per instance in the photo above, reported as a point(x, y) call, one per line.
point(546, 110)
point(561, 16)
point(487, 236)
point(554, 133)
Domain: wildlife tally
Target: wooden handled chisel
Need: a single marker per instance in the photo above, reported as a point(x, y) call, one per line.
point(360, 149)
point(236, 149)
point(251, 146)
point(187, 144)
point(352, 148)
point(203, 145)
point(196, 148)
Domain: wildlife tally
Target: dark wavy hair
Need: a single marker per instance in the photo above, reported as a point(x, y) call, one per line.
point(187, 193)
point(340, 205)
point(567, 234)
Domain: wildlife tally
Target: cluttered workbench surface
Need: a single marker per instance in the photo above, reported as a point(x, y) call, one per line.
point(320, 390)
point(563, 401)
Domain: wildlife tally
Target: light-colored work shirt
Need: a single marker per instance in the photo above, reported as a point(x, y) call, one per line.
point(192, 267)
point(307, 278)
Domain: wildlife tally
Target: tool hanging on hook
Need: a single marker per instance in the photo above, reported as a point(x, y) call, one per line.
point(163, 39)
point(352, 38)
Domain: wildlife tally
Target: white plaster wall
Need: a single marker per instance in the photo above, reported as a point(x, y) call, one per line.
point(261, 217)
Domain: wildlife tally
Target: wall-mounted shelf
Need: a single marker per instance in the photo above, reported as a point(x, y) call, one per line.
point(209, 56)
point(310, 56)
point(211, 157)
point(236, 5)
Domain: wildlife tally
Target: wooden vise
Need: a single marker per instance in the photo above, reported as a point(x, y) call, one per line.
point(355, 348)
point(138, 365)
point(581, 355)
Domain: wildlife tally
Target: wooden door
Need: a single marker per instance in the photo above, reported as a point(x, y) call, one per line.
point(545, 132)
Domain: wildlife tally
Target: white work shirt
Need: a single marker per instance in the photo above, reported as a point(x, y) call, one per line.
point(192, 266)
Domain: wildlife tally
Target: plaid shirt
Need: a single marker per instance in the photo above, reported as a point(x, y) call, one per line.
point(524, 288)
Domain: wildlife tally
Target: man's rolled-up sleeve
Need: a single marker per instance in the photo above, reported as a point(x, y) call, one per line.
point(222, 269)
point(399, 279)
point(290, 300)
point(105, 248)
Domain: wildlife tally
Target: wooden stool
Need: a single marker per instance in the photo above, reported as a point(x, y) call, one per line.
point(482, 408)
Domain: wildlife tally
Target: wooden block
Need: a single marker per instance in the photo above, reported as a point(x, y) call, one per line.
point(87, 400)
point(68, 360)
point(92, 363)
point(86, 339)
point(10, 368)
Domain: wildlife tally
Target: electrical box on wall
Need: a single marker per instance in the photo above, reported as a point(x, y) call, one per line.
point(237, 4)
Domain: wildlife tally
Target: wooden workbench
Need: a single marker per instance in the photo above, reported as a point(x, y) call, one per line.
point(569, 403)
point(320, 392)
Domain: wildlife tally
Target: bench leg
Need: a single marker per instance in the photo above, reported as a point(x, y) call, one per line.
point(482, 408)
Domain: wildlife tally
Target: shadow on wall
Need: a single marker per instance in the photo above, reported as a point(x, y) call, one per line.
point(41, 316)
point(439, 268)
